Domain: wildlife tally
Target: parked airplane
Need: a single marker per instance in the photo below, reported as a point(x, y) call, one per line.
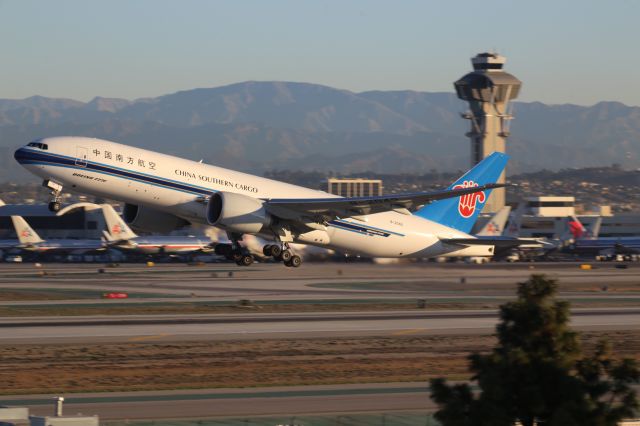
point(586, 241)
point(529, 248)
point(120, 236)
point(29, 240)
point(607, 246)
point(163, 192)
point(495, 226)
point(8, 244)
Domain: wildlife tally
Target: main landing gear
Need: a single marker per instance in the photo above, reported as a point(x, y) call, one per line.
point(239, 255)
point(234, 251)
point(282, 253)
point(55, 191)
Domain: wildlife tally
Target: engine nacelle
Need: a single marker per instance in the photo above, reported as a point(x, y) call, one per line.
point(149, 220)
point(237, 213)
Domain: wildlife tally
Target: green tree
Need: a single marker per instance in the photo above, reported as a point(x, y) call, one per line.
point(537, 374)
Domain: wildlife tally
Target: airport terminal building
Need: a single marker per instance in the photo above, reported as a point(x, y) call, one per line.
point(545, 217)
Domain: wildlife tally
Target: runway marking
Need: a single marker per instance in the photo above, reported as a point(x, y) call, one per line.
point(153, 337)
point(410, 331)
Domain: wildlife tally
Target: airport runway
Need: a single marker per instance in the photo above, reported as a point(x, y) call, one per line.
point(212, 403)
point(267, 326)
point(224, 282)
point(201, 403)
point(326, 283)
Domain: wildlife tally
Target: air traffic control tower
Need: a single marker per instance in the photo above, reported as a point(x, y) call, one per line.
point(489, 90)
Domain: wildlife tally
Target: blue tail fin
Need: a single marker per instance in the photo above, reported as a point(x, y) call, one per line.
point(461, 212)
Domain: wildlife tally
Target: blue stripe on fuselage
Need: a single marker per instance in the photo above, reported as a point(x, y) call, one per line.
point(27, 156)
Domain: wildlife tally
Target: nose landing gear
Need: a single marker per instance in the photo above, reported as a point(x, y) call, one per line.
point(55, 191)
point(54, 206)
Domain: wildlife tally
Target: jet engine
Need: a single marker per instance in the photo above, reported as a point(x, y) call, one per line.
point(237, 213)
point(149, 220)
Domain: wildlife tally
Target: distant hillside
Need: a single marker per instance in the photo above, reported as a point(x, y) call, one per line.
point(255, 126)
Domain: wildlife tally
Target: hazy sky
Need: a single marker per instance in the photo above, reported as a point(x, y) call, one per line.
point(565, 51)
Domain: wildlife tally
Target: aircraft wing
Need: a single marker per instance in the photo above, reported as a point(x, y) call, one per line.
point(359, 206)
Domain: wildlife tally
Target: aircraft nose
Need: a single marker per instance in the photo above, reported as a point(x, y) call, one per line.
point(19, 155)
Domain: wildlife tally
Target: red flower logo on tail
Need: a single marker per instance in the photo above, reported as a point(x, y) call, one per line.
point(467, 203)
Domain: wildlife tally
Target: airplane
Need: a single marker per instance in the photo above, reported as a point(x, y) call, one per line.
point(570, 236)
point(29, 240)
point(163, 192)
point(528, 248)
point(8, 244)
point(586, 241)
point(120, 236)
point(495, 226)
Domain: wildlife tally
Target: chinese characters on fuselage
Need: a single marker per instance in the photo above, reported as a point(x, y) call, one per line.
point(151, 165)
point(124, 159)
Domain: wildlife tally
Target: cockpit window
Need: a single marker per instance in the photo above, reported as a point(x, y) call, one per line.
point(38, 145)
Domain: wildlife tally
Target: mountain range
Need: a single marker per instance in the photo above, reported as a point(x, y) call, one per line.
point(258, 126)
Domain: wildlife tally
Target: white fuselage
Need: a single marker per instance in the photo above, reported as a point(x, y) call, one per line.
point(166, 245)
point(66, 246)
point(178, 186)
